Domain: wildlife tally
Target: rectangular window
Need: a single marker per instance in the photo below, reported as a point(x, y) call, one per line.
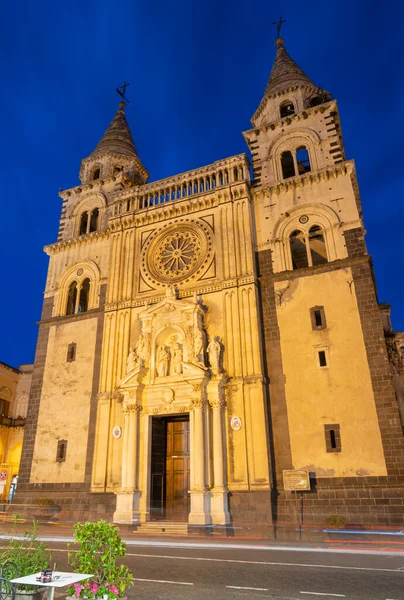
point(322, 358)
point(317, 316)
point(332, 438)
point(4, 408)
point(71, 352)
point(61, 451)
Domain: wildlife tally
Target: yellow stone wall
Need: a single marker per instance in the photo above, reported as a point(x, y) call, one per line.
point(65, 403)
point(340, 393)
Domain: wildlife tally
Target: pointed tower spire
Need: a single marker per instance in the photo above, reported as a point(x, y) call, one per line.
point(285, 72)
point(117, 138)
point(115, 153)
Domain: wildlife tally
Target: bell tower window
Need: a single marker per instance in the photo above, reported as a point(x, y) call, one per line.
point(286, 109)
point(317, 246)
point(83, 223)
point(96, 174)
point(78, 297)
point(308, 249)
point(89, 221)
point(288, 165)
point(72, 298)
point(298, 250)
point(84, 295)
point(94, 220)
point(303, 161)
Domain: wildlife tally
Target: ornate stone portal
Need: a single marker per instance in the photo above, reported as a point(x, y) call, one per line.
point(168, 375)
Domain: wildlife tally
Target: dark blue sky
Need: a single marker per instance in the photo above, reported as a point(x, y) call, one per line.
point(198, 69)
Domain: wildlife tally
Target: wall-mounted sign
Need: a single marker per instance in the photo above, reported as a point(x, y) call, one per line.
point(117, 432)
point(296, 480)
point(236, 423)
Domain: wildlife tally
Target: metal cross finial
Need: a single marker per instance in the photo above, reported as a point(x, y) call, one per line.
point(279, 25)
point(123, 93)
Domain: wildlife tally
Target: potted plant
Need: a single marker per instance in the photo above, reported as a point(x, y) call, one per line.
point(100, 548)
point(28, 555)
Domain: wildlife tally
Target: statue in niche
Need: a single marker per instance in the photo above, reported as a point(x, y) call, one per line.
point(132, 360)
point(163, 358)
point(178, 357)
point(214, 349)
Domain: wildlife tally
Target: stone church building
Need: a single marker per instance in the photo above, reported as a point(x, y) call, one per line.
point(203, 333)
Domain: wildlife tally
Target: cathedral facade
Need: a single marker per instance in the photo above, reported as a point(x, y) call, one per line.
point(203, 333)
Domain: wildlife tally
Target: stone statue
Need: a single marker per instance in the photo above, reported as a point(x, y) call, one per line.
point(199, 346)
point(140, 346)
point(171, 291)
point(163, 357)
point(177, 358)
point(132, 360)
point(213, 351)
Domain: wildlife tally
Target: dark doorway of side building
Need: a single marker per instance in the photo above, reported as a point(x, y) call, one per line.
point(169, 497)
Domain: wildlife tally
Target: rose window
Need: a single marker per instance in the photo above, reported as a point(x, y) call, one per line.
point(177, 253)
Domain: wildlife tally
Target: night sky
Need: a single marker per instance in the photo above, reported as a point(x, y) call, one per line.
point(198, 70)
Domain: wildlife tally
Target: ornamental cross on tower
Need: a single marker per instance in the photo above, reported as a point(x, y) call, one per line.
point(279, 25)
point(123, 92)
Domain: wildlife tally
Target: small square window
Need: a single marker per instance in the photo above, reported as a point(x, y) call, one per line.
point(317, 316)
point(333, 437)
point(61, 451)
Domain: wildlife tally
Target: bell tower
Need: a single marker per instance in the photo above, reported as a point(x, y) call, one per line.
point(323, 338)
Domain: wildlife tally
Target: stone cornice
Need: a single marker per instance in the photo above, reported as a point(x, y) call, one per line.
point(9, 367)
point(83, 240)
point(96, 186)
point(314, 177)
point(203, 289)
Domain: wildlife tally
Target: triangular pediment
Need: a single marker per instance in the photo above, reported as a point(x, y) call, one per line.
point(168, 304)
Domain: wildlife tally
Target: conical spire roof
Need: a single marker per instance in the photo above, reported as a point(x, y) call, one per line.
point(285, 72)
point(117, 138)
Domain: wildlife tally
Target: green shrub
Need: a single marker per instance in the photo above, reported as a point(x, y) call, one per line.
point(25, 551)
point(100, 547)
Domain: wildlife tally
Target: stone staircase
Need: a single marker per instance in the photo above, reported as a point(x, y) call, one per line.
point(162, 527)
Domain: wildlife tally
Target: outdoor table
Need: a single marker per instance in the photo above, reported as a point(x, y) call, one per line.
point(59, 580)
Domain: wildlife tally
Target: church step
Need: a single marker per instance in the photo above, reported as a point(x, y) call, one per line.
point(163, 527)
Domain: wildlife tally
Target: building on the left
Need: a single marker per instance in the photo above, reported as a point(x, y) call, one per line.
point(15, 385)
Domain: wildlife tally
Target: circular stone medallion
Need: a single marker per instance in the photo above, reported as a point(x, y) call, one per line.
point(236, 423)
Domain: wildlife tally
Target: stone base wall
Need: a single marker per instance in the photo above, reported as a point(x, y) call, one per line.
point(251, 514)
point(361, 501)
point(69, 505)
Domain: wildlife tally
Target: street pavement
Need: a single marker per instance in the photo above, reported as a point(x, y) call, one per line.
point(179, 568)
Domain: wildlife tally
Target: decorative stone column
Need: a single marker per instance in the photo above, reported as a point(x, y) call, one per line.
point(127, 504)
point(219, 503)
point(200, 497)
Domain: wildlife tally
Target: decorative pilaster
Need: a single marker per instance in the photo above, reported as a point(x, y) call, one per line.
point(200, 498)
point(219, 503)
point(127, 505)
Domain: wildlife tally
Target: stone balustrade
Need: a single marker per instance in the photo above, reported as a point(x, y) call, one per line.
point(186, 185)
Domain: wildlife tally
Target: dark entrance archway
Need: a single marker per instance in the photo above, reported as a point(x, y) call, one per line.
point(170, 461)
